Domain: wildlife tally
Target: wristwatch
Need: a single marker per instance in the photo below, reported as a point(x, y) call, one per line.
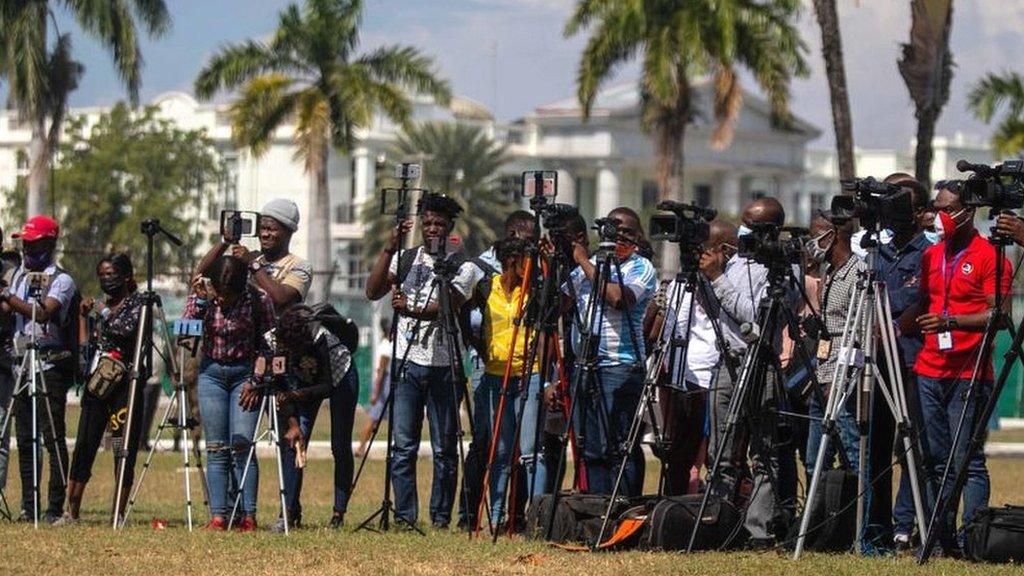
point(255, 265)
point(951, 323)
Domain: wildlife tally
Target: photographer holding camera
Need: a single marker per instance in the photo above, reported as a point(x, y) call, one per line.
point(957, 296)
point(318, 367)
point(282, 275)
point(423, 357)
point(43, 288)
point(608, 403)
point(235, 316)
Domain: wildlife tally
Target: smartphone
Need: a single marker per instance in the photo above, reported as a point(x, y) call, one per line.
point(391, 201)
point(38, 283)
point(237, 224)
point(547, 180)
point(408, 171)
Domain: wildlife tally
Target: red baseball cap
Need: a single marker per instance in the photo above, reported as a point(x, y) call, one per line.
point(37, 228)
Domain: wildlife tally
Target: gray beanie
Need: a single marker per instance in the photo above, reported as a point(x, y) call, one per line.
point(284, 211)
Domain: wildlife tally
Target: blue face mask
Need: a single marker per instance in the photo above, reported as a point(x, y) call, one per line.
point(932, 236)
point(743, 231)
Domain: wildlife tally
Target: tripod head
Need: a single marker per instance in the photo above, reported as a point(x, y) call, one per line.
point(151, 227)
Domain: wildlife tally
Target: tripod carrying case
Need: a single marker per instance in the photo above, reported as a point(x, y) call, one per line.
point(996, 535)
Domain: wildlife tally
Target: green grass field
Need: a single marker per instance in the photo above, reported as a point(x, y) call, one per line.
point(92, 548)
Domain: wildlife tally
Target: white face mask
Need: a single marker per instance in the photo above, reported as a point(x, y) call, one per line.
point(814, 248)
point(743, 231)
point(932, 236)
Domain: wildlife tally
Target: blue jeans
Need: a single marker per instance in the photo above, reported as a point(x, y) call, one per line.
point(943, 400)
point(903, 519)
point(343, 409)
point(229, 432)
point(486, 398)
point(429, 387)
point(848, 432)
point(605, 411)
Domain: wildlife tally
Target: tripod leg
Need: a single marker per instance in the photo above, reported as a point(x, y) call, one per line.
point(256, 436)
point(275, 433)
point(137, 488)
point(179, 398)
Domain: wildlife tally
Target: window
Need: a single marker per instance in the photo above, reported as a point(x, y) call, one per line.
point(227, 188)
point(510, 186)
point(649, 193)
point(702, 195)
point(350, 275)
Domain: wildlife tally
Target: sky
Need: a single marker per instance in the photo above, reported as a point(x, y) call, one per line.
point(511, 55)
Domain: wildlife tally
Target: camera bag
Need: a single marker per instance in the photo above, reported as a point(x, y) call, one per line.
point(578, 517)
point(833, 522)
point(670, 524)
point(996, 535)
point(108, 375)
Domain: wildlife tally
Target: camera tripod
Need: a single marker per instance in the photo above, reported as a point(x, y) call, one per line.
point(671, 348)
point(142, 363)
point(30, 380)
point(868, 322)
point(268, 406)
point(177, 416)
point(586, 361)
point(750, 397)
point(983, 405)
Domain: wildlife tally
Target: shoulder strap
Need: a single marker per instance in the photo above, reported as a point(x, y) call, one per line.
point(484, 266)
point(405, 261)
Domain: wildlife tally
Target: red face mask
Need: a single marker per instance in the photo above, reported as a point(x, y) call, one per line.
point(946, 224)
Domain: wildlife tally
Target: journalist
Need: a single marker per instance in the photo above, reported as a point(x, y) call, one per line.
point(608, 402)
point(684, 402)
point(53, 330)
point(104, 402)
point(235, 318)
point(957, 295)
point(319, 367)
point(9, 264)
point(424, 359)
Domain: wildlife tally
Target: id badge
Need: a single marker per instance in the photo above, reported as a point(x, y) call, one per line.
point(945, 341)
point(824, 349)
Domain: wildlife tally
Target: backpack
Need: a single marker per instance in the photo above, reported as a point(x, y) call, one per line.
point(343, 328)
point(832, 526)
point(670, 524)
point(73, 365)
point(995, 535)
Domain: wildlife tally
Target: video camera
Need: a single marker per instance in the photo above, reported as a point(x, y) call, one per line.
point(773, 246)
point(1000, 187)
point(687, 225)
point(607, 229)
point(874, 203)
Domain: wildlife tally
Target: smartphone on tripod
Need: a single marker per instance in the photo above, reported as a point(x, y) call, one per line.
point(238, 224)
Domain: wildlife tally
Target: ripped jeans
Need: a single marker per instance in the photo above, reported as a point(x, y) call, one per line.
point(228, 431)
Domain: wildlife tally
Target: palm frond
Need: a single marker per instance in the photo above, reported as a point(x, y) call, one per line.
point(234, 65)
point(995, 90)
point(728, 98)
point(260, 110)
point(313, 115)
point(407, 67)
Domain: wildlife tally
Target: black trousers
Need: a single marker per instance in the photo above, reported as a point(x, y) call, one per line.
point(53, 438)
point(97, 414)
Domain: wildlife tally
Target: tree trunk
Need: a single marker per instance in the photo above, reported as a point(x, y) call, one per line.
point(832, 50)
point(319, 237)
point(38, 181)
point(926, 119)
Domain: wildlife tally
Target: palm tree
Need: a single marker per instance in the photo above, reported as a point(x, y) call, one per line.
point(988, 96)
point(927, 69)
point(309, 73)
point(464, 164)
point(678, 41)
point(40, 77)
point(835, 72)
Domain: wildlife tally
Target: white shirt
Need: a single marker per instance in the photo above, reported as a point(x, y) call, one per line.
point(702, 351)
point(425, 339)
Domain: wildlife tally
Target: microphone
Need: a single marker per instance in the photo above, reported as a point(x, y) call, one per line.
point(982, 170)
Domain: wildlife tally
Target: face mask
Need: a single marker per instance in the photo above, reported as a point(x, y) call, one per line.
point(815, 250)
point(743, 231)
point(946, 224)
point(932, 236)
point(112, 286)
point(624, 251)
point(37, 262)
point(886, 236)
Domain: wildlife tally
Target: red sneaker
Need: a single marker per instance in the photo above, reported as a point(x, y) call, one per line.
point(247, 524)
point(216, 523)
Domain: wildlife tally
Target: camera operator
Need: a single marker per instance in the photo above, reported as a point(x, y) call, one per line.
point(53, 329)
point(830, 247)
point(117, 327)
point(957, 295)
point(424, 359)
point(608, 403)
point(740, 284)
point(235, 318)
point(684, 402)
point(282, 275)
point(898, 265)
point(319, 367)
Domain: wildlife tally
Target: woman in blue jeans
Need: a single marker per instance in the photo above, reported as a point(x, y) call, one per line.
point(235, 317)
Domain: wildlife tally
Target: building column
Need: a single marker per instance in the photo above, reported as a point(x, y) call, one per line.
point(729, 192)
point(365, 176)
point(607, 195)
point(787, 189)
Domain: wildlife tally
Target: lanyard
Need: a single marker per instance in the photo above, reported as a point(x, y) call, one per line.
point(948, 272)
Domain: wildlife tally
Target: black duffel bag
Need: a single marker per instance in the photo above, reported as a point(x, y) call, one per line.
point(833, 522)
point(670, 523)
point(995, 535)
point(578, 517)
